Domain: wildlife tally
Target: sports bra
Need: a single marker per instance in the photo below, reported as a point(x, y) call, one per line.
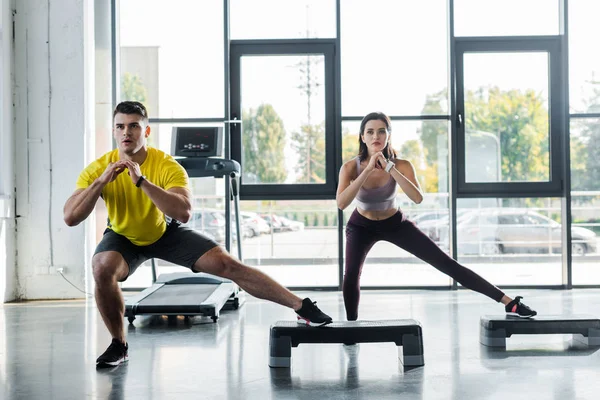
point(376, 199)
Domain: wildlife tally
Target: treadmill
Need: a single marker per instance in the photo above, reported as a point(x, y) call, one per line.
point(188, 293)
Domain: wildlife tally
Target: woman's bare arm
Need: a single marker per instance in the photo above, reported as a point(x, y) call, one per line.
point(404, 174)
point(348, 188)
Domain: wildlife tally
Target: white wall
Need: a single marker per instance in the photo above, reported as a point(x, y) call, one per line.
point(8, 273)
point(54, 108)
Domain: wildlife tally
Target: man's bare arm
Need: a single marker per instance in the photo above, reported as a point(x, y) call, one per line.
point(175, 202)
point(81, 203)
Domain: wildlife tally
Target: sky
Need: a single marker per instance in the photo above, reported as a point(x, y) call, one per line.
point(393, 52)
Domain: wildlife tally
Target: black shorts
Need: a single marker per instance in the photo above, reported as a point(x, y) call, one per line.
point(179, 245)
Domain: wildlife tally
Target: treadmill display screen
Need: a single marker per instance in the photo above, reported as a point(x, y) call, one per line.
point(196, 141)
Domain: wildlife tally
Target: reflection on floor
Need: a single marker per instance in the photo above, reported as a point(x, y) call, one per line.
point(48, 350)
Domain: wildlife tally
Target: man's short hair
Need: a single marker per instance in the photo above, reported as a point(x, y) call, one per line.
point(131, 107)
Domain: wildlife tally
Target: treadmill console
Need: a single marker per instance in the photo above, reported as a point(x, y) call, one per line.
point(197, 167)
point(197, 141)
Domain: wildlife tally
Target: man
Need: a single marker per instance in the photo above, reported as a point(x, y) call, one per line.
point(146, 207)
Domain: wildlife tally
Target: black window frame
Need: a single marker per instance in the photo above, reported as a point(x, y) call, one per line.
point(325, 47)
point(554, 187)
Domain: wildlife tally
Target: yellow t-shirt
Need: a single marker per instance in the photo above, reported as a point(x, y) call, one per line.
point(131, 213)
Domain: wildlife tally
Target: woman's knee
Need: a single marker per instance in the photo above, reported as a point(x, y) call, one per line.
point(108, 267)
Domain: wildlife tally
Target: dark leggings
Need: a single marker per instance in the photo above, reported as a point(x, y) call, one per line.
point(362, 233)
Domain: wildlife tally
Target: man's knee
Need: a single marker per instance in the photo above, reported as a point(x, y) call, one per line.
point(108, 267)
point(229, 267)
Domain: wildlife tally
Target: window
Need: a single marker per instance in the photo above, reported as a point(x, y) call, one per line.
point(394, 57)
point(171, 57)
point(511, 241)
point(585, 199)
point(506, 17)
point(276, 19)
point(294, 241)
point(584, 63)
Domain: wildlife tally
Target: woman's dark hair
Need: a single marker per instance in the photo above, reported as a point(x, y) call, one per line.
point(131, 107)
point(363, 152)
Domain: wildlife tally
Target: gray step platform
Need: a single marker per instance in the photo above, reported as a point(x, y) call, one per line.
point(405, 333)
point(494, 329)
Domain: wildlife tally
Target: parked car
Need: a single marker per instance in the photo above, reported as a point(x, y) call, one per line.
point(210, 222)
point(254, 224)
point(291, 225)
point(428, 216)
point(497, 231)
point(432, 222)
point(273, 221)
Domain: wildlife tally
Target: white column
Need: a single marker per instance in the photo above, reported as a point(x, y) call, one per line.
point(8, 273)
point(54, 107)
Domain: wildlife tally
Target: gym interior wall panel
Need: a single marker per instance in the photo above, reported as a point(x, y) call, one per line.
point(53, 79)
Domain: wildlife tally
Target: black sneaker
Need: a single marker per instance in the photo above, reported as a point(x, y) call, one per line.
point(115, 354)
point(517, 309)
point(310, 314)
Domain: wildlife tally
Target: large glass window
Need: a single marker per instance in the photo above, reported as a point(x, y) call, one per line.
point(283, 93)
point(295, 242)
point(585, 199)
point(506, 17)
point(283, 119)
point(584, 60)
point(171, 57)
point(276, 19)
point(506, 117)
point(394, 57)
point(510, 241)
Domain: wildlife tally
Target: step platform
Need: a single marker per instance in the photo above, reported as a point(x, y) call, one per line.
point(494, 329)
point(405, 333)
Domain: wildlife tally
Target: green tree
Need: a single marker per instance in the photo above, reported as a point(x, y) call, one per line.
point(349, 145)
point(519, 120)
point(263, 141)
point(309, 143)
point(412, 150)
point(431, 131)
point(434, 136)
point(585, 148)
point(582, 145)
point(133, 89)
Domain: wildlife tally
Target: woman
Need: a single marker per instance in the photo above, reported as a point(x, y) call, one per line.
point(371, 179)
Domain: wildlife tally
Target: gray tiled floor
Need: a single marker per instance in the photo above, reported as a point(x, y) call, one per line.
point(48, 350)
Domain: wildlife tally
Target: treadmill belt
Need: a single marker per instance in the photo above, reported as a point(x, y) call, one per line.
point(176, 298)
